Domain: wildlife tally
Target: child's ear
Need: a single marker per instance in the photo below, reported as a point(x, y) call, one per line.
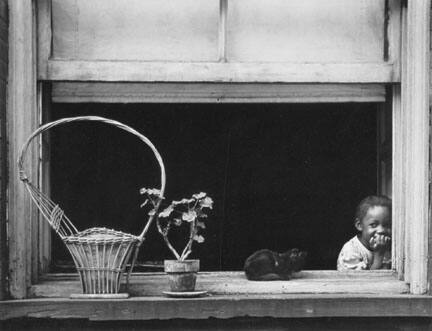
point(358, 224)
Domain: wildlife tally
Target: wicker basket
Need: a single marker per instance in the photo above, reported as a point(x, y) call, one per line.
point(100, 254)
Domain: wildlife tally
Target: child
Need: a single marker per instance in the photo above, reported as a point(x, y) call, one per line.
point(370, 248)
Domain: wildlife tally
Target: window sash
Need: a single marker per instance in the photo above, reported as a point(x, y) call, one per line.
point(305, 69)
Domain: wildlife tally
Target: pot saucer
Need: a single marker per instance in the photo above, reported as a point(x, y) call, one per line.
point(192, 294)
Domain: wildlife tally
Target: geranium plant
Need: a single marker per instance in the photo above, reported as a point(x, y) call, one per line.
point(188, 212)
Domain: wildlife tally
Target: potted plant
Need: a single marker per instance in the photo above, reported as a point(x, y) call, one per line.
point(181, 272)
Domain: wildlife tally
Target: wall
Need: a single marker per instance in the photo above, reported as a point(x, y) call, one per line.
point(3, 160)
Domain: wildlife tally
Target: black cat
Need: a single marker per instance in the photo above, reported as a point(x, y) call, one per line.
point(268, 265)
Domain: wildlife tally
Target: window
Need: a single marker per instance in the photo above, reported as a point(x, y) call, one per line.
point(281, 175)
point(408, 100)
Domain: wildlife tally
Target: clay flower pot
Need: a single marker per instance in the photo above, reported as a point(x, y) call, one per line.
point(181, 274)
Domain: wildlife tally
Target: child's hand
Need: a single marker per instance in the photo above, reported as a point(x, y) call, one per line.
point(379, 242)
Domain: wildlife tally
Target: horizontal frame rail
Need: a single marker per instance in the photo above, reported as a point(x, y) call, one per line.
point(76, 92)
point(139, 71)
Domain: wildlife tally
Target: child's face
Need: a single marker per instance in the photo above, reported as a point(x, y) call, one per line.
point(377, 221)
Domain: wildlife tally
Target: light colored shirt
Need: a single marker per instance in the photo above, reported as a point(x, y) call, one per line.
point(355, 256)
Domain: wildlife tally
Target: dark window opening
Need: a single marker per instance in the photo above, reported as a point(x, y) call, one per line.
point(281, 175)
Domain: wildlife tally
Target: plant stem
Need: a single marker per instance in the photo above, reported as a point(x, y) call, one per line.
point(165, 238)
point(186, 255)
point(188, 249)
point(171, 247)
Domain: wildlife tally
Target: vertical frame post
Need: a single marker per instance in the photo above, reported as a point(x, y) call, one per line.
point(22, 117)
point(398, 185)
point(44, 240)
point(3, 147)
point(384, 147)
point(415, 112)
point(44, 35)
point(222, 33)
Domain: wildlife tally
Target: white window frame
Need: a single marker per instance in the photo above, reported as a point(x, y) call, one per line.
point(411, 119)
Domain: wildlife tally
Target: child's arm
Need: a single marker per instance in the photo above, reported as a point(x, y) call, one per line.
point(380, 244)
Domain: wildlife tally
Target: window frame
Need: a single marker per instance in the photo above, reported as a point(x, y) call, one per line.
point(410, 107)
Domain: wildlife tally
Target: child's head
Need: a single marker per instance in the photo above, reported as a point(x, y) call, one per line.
point(373, 217)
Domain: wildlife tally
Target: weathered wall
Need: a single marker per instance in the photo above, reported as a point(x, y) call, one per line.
point(3, 159)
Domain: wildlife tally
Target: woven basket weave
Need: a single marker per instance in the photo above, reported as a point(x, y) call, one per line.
point(100, 254)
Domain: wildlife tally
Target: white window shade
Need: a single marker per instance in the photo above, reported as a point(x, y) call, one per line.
point(149, 30)
point(338, 31)
point(306, 31)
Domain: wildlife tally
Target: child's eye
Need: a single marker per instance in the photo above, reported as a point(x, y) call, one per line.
point(373, 225)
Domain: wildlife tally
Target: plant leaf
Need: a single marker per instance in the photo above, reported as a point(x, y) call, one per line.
point(177, 221)
point(201, 214)
point(167, 211)
point(150, 191)
point(207, 203)
point(198, 238)
point(199, 196)
point(201, 225)
point(182, 202)
point(144, 203)
point(189, 216)
point(151, 212)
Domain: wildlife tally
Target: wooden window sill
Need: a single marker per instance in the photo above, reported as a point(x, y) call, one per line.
point(312, 294)
point(233, 283)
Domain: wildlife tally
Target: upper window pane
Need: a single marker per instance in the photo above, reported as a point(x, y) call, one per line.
point(306, 31)
point(168, 30)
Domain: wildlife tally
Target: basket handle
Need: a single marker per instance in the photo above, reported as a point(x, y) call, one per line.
point(47, 126)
